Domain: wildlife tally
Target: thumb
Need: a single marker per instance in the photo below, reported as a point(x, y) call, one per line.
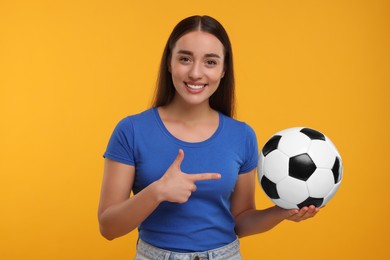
point(179, 158)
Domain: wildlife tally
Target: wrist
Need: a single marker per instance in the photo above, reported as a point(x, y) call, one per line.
point(157, 191)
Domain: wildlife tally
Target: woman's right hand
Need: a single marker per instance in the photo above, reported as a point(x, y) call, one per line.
point(177, 186)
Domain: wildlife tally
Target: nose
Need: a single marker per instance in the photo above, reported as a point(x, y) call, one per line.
point(195, 71)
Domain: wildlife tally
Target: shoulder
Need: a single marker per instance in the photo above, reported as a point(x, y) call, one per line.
point(138, 118)
point(237, 126)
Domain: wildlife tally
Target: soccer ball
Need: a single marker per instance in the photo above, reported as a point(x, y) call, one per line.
point(300, 167)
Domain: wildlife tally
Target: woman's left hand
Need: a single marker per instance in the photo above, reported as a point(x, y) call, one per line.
point(302, 214)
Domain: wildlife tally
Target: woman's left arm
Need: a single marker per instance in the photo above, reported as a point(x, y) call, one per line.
point(250, 221)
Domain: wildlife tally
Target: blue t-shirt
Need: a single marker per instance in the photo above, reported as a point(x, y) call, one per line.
point(204, 222)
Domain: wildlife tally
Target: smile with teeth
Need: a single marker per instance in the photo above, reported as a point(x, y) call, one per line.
point(196, 86)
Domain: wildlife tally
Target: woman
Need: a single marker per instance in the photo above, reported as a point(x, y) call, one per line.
point(190, 165)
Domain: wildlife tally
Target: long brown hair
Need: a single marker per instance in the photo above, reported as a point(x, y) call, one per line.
point(223, 98)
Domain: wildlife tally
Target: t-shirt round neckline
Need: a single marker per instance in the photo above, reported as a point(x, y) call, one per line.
point(185, 143)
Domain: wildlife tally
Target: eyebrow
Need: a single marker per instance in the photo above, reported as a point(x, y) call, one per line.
point(208, 55)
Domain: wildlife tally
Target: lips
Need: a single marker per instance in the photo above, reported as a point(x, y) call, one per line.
point(191, 86)
point(195, 87)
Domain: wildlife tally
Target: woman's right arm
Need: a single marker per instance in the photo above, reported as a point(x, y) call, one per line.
point(119, 214)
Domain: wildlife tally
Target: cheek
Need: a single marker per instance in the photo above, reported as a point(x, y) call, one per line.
point(177, 71)
point(177, 78)
point(174, 76)
point(215, 78)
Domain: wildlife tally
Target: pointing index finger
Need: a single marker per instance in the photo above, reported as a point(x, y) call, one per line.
point(204, 176)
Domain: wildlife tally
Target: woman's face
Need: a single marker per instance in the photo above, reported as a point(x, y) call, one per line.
point(197, 66)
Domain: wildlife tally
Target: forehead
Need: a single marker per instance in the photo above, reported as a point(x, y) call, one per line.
point(199, 42)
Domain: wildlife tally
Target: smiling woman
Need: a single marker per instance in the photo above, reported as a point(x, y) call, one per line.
point(71, 69)
point(197, 66)
point(224, 98)
point(180, 204)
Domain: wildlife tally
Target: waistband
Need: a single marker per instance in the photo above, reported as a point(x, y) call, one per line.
point(220, 253)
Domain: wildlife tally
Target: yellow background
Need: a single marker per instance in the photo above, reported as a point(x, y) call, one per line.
point(70, 70)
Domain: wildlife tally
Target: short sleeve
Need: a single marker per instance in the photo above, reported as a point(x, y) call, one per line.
point(251, 151)
point(121, 144)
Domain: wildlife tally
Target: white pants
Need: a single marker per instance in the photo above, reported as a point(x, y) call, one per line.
point(146, 251)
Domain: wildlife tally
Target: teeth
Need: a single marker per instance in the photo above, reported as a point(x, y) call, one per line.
point(195, 86)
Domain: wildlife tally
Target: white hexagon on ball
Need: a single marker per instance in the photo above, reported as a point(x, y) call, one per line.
point(292, 190)
point(276, 166)
point(322, 154)
point(320, 183)
point(294, 143)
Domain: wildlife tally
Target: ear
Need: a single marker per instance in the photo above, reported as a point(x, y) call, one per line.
point(224, 70)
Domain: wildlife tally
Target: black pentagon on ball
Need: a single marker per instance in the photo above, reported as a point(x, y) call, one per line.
point(336, 169)
point(313, 134)
point(301, 167)
point(311, 201)
point(271, 145)
point(269, 188)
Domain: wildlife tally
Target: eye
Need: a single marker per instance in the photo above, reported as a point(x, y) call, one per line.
point(184, 59)
point(211, 63)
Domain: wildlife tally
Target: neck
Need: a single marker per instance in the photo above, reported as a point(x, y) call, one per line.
point(187, 112)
